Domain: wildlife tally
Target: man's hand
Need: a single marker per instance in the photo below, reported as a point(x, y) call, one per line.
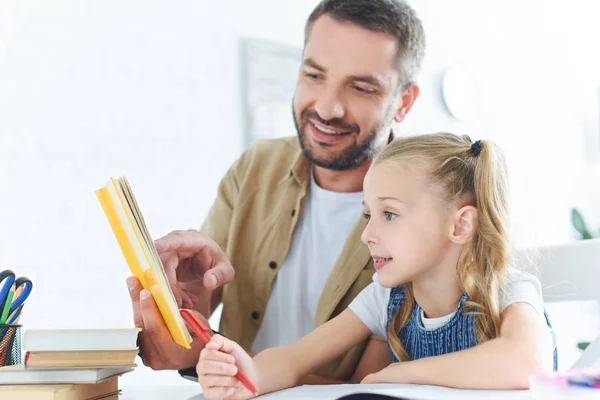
point(190, 257)
point(157, 349)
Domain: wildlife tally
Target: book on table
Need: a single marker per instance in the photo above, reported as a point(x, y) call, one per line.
point(92, 348)
point(89, 391)
point(19, 375)
point(79, 358)
point(80, 339)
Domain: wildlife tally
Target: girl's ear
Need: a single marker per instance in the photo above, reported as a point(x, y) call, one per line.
point(465, 223)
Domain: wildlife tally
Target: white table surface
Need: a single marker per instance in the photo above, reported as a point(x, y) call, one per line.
point(155, 385)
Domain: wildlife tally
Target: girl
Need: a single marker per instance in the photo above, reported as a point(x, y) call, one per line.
point(437, 231)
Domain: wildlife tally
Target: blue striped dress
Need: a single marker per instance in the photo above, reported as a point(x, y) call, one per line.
point(458, 334)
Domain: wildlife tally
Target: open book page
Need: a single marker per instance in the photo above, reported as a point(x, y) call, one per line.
point(407, 392)
point(140, 223)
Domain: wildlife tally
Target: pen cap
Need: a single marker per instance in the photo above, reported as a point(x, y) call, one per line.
point(574, 384)
point(10, 345)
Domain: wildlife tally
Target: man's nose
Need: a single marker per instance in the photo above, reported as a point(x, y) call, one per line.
point(330, 106)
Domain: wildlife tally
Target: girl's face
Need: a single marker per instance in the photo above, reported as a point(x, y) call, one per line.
point(409, 226)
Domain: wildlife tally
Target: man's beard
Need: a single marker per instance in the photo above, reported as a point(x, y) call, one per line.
point(353, 156)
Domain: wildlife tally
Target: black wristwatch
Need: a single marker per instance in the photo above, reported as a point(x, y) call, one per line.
point(190, 373)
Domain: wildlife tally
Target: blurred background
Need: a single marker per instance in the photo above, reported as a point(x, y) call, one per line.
point(170, 93)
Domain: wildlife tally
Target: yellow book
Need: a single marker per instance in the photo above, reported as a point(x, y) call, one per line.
point(129, 228)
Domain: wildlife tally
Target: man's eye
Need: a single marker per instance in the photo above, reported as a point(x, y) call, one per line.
point(364, 90)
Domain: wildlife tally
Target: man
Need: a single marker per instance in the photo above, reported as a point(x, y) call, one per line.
point(287, 218)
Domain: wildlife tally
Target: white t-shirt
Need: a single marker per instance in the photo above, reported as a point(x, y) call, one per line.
point(320, 234)
point(370, 306)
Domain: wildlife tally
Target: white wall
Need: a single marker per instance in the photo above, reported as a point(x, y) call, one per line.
point(534, 65)
point(150, 89)
point(93, 89)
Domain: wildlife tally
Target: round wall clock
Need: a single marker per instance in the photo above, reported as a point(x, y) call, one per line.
point(458, 92)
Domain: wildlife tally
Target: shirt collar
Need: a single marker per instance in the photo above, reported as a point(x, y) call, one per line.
point(299, 170)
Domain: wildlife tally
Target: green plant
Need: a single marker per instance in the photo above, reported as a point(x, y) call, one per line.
point(583, 345)
point(580, 225)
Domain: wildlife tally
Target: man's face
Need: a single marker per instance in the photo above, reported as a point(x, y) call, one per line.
point(347, 93)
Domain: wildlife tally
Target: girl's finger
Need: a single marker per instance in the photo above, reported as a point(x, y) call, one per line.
point(216, 342)
point(216, 355)
point(208, 367)
point(219, 381)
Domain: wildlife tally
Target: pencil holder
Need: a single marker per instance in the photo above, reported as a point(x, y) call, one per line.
point(10, 345)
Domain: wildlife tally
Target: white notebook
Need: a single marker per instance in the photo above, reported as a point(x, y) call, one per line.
point(17, 374)
point(403, 392)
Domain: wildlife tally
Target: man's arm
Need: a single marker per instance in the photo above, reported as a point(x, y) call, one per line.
point(375, 358)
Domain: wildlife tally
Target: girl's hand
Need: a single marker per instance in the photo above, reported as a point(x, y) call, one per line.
point(371, 378)
point(393, 373)
point(218, 364)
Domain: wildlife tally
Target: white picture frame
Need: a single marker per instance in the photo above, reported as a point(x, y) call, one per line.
point(269, 71)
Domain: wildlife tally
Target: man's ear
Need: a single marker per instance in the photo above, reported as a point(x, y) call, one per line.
point(408, 96)
point(465, 223)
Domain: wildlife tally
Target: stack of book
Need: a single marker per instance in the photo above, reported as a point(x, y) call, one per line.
point(70, 364)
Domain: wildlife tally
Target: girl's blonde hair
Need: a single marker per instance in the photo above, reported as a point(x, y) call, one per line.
point(462, 170)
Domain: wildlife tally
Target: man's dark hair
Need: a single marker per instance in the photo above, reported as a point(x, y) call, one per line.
point(394, 17)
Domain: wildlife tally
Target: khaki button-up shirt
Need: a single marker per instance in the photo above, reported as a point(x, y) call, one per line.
point(253, 219)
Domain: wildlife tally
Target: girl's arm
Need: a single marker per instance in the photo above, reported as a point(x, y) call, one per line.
point(375, 357)
point(523, 348)
point(276, 368)
point(284, 367)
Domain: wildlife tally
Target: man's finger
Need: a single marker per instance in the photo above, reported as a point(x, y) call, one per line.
point(215, 270)
point(184, 243)
point(169, 262)
point(135, 287)
point(219, 273)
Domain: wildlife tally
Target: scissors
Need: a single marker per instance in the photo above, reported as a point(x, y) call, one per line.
point(22, 290)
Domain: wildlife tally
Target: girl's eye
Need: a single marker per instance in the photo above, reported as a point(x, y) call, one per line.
point(390, 215)
point(366, 216)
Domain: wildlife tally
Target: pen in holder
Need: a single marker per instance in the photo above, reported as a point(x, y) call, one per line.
point(10, 344)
